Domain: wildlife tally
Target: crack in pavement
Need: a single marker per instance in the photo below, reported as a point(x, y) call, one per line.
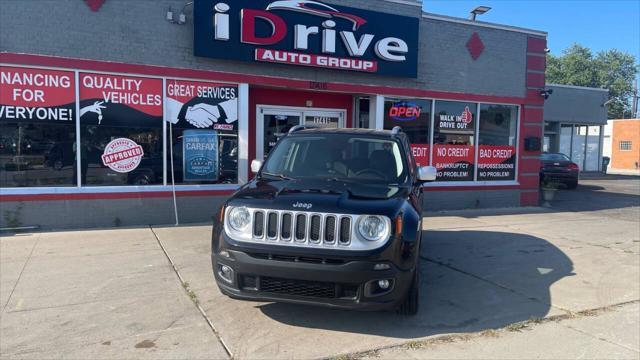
point(21, 272)
point(226, 348)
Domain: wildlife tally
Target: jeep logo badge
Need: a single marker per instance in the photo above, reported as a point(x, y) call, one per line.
point(305, 206)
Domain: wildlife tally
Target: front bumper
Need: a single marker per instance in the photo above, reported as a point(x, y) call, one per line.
point(560, 176)
point(336, 283)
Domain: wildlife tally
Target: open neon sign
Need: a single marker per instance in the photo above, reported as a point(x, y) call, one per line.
point(404, 111)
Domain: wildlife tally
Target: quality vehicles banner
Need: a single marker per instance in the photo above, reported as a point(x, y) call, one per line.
point(119, 100)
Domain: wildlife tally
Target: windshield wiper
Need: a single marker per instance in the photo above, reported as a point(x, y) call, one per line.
point(279, 176)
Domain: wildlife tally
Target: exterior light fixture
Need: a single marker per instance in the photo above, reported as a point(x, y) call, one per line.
point(478, 11)
point(546, 93)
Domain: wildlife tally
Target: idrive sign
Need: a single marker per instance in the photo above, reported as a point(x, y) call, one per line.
point(307, 33)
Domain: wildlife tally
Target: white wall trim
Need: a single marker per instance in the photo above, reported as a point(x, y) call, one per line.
point(114, 189)
point(577, 87)
point(376, 108)
point(243, 133)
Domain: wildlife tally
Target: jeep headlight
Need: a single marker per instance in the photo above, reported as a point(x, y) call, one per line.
point(373, 227)
point(239, 218)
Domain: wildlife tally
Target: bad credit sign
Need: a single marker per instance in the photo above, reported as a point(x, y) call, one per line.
point(307, 33)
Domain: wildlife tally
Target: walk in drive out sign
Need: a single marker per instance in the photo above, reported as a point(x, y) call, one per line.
point(200, 155)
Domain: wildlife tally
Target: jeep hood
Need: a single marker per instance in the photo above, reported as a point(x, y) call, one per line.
point(320, 196)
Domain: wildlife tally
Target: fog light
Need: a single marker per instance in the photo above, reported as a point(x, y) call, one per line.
point(381, 267)
point(226, 273)
point(383, 284)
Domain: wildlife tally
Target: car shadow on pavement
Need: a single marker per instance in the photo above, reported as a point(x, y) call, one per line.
point(470, 281)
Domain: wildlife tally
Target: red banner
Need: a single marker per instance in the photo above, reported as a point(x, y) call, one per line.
point(313, 60)
point(496, 163)
point(36, 95)
point(420, 154)
point(141, 94)
point(119, 100)
point(454, 162)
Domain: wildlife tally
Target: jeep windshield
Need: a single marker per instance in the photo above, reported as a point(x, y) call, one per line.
point(338, 157)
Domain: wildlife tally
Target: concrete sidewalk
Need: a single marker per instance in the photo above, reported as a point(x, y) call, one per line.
point(96, 294)
point(561, 282)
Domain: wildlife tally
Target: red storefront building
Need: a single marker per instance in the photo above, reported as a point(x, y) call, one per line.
point(105, 121)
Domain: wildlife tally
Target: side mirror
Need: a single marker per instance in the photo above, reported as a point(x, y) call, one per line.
point(427, 173)
point(255, 166)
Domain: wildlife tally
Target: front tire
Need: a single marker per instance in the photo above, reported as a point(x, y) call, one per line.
point(411, 303)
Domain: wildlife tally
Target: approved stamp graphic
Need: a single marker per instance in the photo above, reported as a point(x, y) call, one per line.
point(122, 155)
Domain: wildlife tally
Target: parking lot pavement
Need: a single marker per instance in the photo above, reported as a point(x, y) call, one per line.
point(554, 282)
point(96, 294)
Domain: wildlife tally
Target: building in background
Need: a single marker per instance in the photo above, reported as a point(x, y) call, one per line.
point(622, 146)
point(574, 120)
point(100, 118)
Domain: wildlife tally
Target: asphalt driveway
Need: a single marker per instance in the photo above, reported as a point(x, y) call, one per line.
point(554, 282)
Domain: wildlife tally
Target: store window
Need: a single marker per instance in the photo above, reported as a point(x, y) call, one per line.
point(625, 145)
point(453, 140)
point(37, 127)
point(592, 159)
point(497, 151)
point(414, 116)
point(37, 155)
point(121, 130)
point(203, 132)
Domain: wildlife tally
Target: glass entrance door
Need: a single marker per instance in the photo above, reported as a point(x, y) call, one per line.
point(273, 123)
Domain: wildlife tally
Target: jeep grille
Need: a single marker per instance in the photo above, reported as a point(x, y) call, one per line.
point(308, 227)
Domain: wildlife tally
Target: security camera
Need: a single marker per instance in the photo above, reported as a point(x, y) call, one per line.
point(547, 50)
point(546, 93)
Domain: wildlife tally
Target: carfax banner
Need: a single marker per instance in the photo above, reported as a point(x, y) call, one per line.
point(37, 95)
point(119, 100)
point(200, 151)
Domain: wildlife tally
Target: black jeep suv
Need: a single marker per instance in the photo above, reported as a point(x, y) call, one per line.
point(332, 218)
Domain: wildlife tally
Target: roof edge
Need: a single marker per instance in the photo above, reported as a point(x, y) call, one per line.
point(577, 87)
point(453, 19)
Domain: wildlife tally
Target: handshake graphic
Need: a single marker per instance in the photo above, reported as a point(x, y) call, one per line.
point(202, 115)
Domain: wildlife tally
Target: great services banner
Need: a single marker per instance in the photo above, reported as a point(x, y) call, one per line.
point(36, 95)
point(307, 33)
point(119, 100)
point(496, 163)
point(200, 151)
point(202, 105)
point(454, 162)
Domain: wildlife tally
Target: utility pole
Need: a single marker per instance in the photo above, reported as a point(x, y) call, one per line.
point(634, 106)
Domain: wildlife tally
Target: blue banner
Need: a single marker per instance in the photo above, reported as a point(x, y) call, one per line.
point(200, 155)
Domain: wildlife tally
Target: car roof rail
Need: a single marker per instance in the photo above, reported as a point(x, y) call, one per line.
point(396, 130)
point(303, 127)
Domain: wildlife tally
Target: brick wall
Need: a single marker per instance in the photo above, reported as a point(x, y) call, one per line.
point(625, 130)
